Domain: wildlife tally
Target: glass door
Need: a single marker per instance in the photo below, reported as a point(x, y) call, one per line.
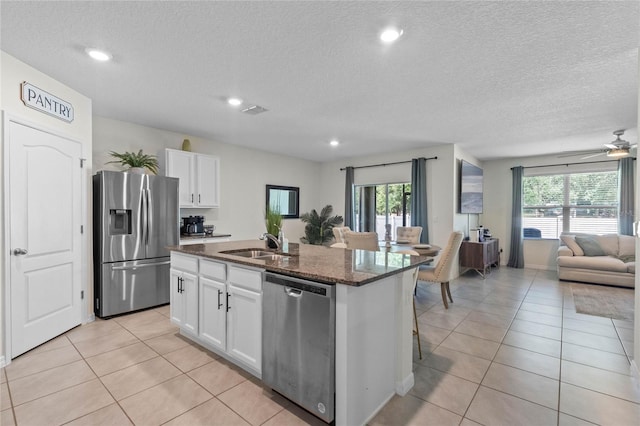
point(379, 205)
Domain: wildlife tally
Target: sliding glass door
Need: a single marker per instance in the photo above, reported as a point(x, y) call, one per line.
point(379, 205)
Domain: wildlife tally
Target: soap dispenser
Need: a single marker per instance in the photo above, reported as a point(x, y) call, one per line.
point(284, 242)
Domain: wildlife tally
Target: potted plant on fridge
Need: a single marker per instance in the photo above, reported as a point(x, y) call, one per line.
point(136, 162)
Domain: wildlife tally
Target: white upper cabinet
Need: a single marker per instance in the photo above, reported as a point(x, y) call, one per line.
point(207, 180)
point(199, 176)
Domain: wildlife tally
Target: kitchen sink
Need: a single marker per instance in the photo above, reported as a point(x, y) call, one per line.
point(256, 254)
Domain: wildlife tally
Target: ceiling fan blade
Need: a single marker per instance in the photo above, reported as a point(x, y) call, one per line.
point(611, 146)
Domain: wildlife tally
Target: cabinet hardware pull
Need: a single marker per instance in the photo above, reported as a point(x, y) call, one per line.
point(228, 305)
point(198, 198)
point(192, 198)
point(219, 304)
point(180, 280)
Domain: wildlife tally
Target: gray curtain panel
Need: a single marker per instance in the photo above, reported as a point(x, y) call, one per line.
point(419, 196)
point(348, 198)
point(516, 253)
point(625, 169)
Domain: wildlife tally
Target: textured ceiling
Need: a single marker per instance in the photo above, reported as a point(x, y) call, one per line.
point(503, 79)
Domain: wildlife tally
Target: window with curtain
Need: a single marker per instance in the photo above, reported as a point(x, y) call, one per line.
point(378, 205)
point(570, 202)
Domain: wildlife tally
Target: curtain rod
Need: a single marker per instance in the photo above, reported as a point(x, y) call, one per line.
point(569, 164)
point(389, 164)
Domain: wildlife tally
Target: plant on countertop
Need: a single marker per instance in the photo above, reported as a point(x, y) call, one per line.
point(132, 159)
point(319, 227)
point(273, 220)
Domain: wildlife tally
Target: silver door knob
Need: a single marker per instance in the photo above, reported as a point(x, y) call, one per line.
point(19, 251)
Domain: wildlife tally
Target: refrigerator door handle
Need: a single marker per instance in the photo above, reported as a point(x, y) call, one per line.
point(147, 212)
point(144, 216)
point(144, 265)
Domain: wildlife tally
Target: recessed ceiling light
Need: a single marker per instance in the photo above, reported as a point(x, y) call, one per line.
point(234, 101)
point(334, 142)
point(390, 35)
point(98, 55)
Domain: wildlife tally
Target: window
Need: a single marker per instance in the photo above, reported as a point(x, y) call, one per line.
point(570, 202)
point(378, 205)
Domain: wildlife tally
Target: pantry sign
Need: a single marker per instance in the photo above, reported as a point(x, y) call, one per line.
point(36, 98)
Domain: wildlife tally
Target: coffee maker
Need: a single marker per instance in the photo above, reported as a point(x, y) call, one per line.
point(192, 226)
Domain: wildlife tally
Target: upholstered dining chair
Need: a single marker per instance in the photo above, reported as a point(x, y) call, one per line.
point(361, 240)
point(416, 332)
point(411, 234)
point(338, 233)
point(442, 271)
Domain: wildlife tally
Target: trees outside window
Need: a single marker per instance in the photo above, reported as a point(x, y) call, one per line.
point(575, 202)
point(392, 206)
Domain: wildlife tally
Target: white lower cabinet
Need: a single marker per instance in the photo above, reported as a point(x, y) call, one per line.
point(213, 313)
point(228, 309)
point(184, 300)
point(244, 326)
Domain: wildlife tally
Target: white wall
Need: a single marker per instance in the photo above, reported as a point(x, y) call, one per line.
point(440, 183)
point(244, 174)
point(538, 254)
point(13, 73)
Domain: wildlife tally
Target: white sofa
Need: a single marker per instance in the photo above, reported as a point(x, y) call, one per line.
point(615, 266)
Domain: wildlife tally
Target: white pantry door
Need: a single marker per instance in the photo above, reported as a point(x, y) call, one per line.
point(45, 238)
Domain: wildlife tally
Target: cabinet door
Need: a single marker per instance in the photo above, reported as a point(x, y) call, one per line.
point(208, 177)
point(182, 165)
point(213, 313)
point(244, 326)
point(190, 302)
point(176, 305)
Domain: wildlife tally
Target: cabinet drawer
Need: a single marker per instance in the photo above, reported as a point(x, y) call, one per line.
point(245, 278)
point(184, 262)
point(215, 270)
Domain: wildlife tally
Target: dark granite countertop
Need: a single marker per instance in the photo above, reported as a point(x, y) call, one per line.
point(316, 263)
point(201, 237)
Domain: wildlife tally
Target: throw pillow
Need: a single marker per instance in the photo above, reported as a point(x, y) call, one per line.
point(590, 246)
point(569, 241)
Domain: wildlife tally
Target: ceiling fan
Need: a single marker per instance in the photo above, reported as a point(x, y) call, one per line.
point(617, 149)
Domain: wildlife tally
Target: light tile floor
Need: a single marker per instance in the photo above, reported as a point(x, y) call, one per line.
point(511, 350)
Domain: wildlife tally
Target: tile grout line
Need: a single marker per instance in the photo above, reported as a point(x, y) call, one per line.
point(494, 356)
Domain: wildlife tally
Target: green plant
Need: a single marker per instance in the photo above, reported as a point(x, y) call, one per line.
point(319, 227)
point(273, 220)
point(132, 159)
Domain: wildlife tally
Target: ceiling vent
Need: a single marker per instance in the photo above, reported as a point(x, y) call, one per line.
point(254, 110)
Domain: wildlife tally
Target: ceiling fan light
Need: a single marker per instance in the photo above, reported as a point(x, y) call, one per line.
point(618, 152)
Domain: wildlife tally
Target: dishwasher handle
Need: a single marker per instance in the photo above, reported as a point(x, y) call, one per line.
point(293, 292)
point(300, 286)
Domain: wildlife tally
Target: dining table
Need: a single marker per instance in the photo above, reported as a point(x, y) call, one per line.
point(422, 249)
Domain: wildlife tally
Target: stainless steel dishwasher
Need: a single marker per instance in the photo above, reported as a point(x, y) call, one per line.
point(298, 342)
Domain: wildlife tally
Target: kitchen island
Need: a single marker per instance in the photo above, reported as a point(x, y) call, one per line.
point(373, 312)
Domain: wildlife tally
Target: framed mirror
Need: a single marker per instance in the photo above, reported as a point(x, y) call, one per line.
point(284, 199)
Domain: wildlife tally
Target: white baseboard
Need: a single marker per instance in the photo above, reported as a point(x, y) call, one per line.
point(635, 373)
point(90, 318)
point(540, 267)
point(405, 385)
point(2, 364)
point(377, 410)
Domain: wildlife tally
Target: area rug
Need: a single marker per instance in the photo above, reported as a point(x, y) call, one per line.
point(604, 301)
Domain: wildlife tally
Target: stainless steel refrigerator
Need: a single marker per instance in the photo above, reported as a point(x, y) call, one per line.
point(134, 218)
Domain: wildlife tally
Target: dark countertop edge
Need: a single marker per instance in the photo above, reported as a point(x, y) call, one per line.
point(261, 264)
point(202, 237)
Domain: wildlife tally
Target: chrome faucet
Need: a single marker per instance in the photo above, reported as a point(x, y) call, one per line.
point(267, 236)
